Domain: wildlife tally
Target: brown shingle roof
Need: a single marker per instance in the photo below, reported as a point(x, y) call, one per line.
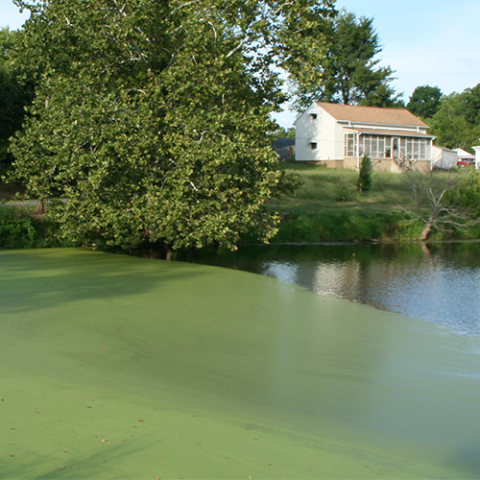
point(383, 116)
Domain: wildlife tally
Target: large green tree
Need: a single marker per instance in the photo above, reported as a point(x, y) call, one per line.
point(425, 101)
point(456, 124)
point(16, 92)
point(152, 118)
point(351, 73)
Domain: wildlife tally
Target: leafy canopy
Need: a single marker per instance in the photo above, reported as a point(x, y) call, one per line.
point(152, 118)
point(351, 73)
point(16, 92)
point(457, 121)
point(425, 101)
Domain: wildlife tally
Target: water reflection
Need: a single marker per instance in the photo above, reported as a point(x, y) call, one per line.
point(439, 283)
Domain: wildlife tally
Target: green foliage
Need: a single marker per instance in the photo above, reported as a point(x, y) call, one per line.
point(16, 92)
point(152, 119)
point(365, 174)
point(383, 96)
point(466, 194)
point(17, 229)
point(340, 226)
point(425, 101)
point(344, 195)
point(439, 202)
point(20, 228)
point(325, 207)
point(457, 121)
point(350, 73)
point(281, 132)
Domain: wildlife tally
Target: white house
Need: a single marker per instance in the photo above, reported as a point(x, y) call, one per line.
point(338, 136)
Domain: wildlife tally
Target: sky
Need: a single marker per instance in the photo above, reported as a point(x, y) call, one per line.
point(426, 42)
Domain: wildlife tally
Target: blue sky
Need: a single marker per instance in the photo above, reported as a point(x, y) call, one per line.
point(10, 16)
point(426, 42)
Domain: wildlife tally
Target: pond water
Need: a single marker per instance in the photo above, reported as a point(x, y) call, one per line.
point(122, 367)
point(438, 282)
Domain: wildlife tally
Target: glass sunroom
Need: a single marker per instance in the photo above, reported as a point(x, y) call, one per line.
point(391, 145)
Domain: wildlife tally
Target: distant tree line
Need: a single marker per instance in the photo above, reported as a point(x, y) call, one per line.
point(454, 119)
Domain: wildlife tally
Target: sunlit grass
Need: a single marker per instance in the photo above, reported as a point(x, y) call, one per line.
point(328, 206)
point(327, 189)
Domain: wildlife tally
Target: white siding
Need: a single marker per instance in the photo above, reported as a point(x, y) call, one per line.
point(306, 129)
point(443, 158)
point(340, 141)
point(327, 135)
point(320, 131)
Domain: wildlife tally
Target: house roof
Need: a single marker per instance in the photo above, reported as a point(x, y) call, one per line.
point(378, 115)
point(391, 133)
point(445, 149)
point(462, 153)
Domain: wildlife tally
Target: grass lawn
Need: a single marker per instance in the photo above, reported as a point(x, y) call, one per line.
point(322, 188)
point(328, 206)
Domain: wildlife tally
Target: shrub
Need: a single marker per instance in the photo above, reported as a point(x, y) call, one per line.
point(344, 195)
point(17, 228)
point(342, 226)
point(466, 194)
point(365, 175)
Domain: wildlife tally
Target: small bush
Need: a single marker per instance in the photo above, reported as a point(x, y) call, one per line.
point(20, 229)
point(344, 195)
point(466, 194)
point(17, 228)
point(365, 175)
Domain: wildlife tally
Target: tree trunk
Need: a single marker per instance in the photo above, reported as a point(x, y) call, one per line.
point(426, 231)
point(40, 208)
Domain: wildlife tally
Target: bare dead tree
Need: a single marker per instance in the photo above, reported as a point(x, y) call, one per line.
point(434, 203)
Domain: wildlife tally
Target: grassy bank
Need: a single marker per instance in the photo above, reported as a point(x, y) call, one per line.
point(328, 206)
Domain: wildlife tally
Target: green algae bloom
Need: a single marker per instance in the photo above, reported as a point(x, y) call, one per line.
point(120, 367)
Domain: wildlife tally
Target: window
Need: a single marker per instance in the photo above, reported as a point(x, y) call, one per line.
point(388, 147)
point(367, 145)
point(313, 116)
point(313, 145)
point(416, 148)
point(350, 145)
point(377, 146)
